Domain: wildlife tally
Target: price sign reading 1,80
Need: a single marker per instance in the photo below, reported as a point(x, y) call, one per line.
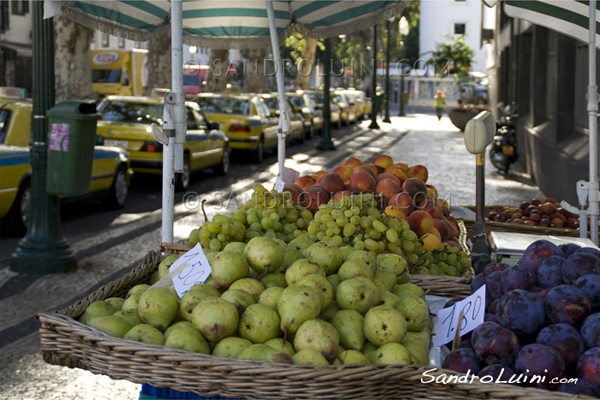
point(473, 308)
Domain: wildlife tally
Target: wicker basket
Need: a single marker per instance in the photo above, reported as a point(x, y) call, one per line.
point(67, 342)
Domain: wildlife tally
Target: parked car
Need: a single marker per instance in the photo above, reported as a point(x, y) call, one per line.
point(110, 168)
point(346, 104)
point(299, 127)
point(125, 121)
point(245, 118)
point(335, 117)
point(362, 102)
point(305, 105)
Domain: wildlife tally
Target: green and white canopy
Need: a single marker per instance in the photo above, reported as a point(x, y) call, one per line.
point(570, 17)
point(225, 23)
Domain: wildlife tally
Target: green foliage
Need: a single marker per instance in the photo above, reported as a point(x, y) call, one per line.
point(453, 57)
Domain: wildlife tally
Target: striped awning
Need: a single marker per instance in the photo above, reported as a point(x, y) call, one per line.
point(570, 17)
point(224, 23)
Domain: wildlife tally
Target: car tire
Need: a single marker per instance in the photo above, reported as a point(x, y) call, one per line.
point(259, 153)
point(182, 179)
point(223, 168)
point(119, 190)
point(18, 216)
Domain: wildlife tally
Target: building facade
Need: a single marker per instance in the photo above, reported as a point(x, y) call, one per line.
point(15, 44)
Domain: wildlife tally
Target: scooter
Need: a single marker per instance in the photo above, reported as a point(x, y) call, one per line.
point(503, 152)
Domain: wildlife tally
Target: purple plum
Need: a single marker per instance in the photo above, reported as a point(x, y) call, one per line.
point(579, 264)
point(588, 366)
point(462, 360)
point(549, 273)
point(589, 250)
point(590, 330)
point(542, 365)
point(496, 345)
point(590, 286)
point(569, 248)
point(488, 269)
point(537, 252)
point(477, 282)
point(493, 286)
point(521, 311)
point(566, 303)
point(517, 277)
point(582, 386)
point(496, 372)
point(565, 339)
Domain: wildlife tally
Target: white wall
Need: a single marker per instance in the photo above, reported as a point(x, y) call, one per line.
point(438, 18)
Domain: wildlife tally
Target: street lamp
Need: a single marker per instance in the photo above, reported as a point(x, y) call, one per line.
point(193, 50)
point(387, 71)
point(374, 109)
point(403, 29)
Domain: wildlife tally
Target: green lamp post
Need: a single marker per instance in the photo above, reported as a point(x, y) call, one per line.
point(325, 142)
point(374, 109)
point(388, 24)
point(403, 29)
point(44, 249)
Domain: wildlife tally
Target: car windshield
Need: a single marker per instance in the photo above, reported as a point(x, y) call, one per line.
point(126, 111)
point(272, 103)
point(224, 105)
point(297, 101)
point(106, 75)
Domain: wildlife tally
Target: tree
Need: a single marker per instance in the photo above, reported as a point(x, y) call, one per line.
point(303, 52)
point(72, 61)
point(254, 78)
point(159, 63)
point(217, 79)
point(453, 57)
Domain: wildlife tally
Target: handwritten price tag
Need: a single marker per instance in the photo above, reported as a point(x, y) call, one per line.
point(473, 308)
point(279, 185)
point(190, 269)
point(289, 175)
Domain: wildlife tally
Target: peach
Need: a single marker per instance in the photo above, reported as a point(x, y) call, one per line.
point(431, 242)
point(320, 175)
point(442, 227)
point(353, 162)
point(305, 181)
point(383, 176)
point(435, 232)
point(418, 171)
point(433, 190)
point(395, 212)
point(294, 190)
point(383, 160)
point(373, 168)
point(362, 182)
point(403, 201)
point(388, 188)
point(343, 170)
point(455, 232)
point(363, 168)
point(416, 188)
point(397, 172)
point(332, 182)
point(432, 207)
point(341, 194)
point(402, 166)
point(420, 222)
point(380, 170)
point(316, 196)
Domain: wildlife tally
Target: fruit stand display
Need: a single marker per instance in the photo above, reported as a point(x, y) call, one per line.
point(317, 291)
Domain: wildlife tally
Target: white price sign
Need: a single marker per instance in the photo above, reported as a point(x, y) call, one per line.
point(473, 308)
point(279, 185)
point(190, 269)
point(289, 175)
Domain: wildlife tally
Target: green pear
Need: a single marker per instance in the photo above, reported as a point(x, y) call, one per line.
point(259, 323)
point(334, 279)
point(228, 267)
point(131, 316)
point(210, 257)
point(155, 277)
point(387, 299)
point(97, 308)
point(236, 247)
point(420, 355)
point(355, 294)
point(322, 286)
point(282, 346)
point(110, 324)
point(329, 313)
point(350, 325)
point(264, 255)
point(270, 296)
point(297, 304)
point(141, 288)
point(385, 280)
point(394, 263)
point(309, 357)
point(262, 352)
point(163, 267)
point(193, 296)
point(353, 268)
point(301, 268)
point(391, 354)
point(280, 242)
point(193, 238)
point(346, 250)
point(301, 243)
point(273, 279)
point(351, 357)
point(188, 339)
point(230, 347)
point(330, 258)
point(318, 335)
point(384, 324)
point(146, 334)
point(422, 338)
point(131, 302)
point(215, 318)
point(372, 285)
point(175, 326)
point(117, 302)
point(415, 311)
point(158, 307)
point(250, 285)
point(239, 298)
point(364, 256)
point(290, 255)
point(408, 289)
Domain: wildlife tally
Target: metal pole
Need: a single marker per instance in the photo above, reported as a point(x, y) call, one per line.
point(401, 113)
point(374, 110)
point(387, 73)
point(284, 110)
point(480, 254)
point(44, 249)
point(325, 142)
point(592, 108)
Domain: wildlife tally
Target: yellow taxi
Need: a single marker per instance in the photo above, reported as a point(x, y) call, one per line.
point(245, 119)
point(335, 113)
point(125, 122)
point(300, 128)
point(362, 102)
point(110, 168)
point(305, 105)
point(346, 104)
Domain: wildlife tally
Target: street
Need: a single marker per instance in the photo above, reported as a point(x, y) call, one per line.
point(108, 243)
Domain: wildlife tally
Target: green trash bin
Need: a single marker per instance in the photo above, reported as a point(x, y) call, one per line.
point(71, 140)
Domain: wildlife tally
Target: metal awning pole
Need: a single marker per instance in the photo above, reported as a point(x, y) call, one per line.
point(593, 127)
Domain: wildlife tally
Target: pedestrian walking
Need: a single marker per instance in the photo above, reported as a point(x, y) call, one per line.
point(439, 102)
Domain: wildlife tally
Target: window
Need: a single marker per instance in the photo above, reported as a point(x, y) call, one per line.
point(105, 40)
point(20, 7)
point(121, 42)
point(460, 28)
point(4, 15)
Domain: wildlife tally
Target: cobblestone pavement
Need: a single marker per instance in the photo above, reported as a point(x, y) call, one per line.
point(415, 139)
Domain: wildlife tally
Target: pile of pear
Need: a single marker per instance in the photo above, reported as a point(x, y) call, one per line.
point(297, 303)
